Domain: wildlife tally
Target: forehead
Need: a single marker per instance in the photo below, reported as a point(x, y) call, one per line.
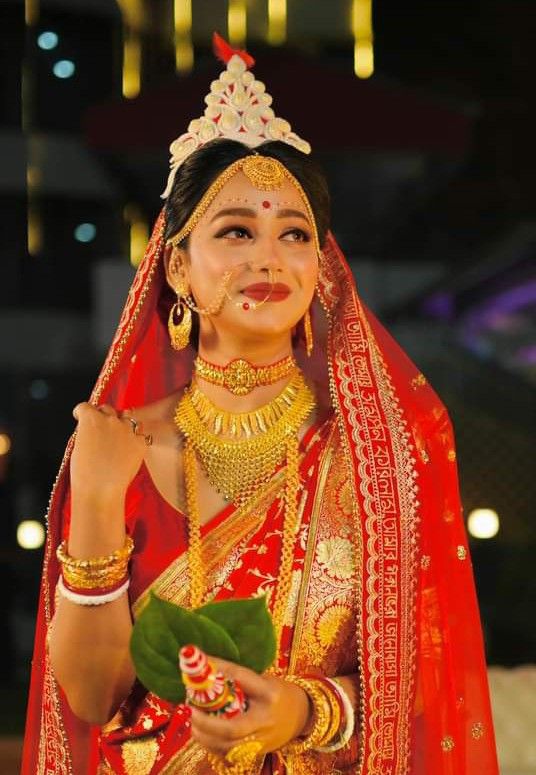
point(239, 189)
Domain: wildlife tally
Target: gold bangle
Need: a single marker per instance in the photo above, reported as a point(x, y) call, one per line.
point(82, 580)
point(95, 563)
point(322, 718)
point(336, 717)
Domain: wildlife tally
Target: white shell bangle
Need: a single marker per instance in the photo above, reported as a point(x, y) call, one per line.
point(75, 597)
point(344, 734)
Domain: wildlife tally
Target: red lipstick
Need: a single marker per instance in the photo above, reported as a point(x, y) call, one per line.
point(259, 291)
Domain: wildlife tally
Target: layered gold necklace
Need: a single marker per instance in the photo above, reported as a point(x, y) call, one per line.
point(243, 464)
point(240, 451)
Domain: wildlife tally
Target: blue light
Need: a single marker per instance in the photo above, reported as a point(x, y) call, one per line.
point(47, 40)
point(85, 232)
point(39, 389)
point(64, 68)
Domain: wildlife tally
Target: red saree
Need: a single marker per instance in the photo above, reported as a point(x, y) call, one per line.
point(382, 577)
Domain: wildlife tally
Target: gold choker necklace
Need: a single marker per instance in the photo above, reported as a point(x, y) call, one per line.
point(240, 376)
point(255, 442)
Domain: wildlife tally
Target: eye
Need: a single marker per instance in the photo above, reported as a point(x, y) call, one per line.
point(296, 235)
point(234, 232)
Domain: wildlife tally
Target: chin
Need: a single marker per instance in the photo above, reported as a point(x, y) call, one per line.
point(269, 323)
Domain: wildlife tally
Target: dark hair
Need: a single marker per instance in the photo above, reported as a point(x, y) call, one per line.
point(203, 166)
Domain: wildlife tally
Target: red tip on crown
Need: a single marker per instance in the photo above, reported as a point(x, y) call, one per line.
point(224, 51)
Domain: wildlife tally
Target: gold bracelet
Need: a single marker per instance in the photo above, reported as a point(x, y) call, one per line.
point(95, 563)
point(322, 718)
point(94, 580)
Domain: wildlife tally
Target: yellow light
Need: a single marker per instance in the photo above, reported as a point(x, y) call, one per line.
point(131, 65)
point(133, 14)
point(184, 51)
point(31, 12)
point(30, 534)
point(364, 59)
point(35, 230)
point(237, 22)
point(5, 444)
point(133, 23)
point(138, 233)
point(483, 523)
point(363, 38)
point(277, 22)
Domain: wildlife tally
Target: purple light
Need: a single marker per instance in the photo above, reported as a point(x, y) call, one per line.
point(527, 355)
point(499, 307)
point(440, 305)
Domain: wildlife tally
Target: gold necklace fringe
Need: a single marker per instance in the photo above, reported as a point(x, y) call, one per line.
point(195, 561)
point(290, 526)
point(240, 376)
point(236, 466)
point(237, 425)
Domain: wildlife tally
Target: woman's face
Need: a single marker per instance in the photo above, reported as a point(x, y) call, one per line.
point(250, 232)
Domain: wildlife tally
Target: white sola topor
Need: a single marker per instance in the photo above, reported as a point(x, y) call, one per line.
point(238, 108)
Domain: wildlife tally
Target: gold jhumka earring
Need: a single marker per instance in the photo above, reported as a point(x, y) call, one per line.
point(179, 333)
point(309, 343)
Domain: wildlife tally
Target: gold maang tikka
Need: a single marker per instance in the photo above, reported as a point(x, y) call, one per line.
point(265, 174)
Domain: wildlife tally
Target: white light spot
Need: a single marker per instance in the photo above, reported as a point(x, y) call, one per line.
point(483, 523)
point(39, 389)
point(64, 68)
point(30, 534)
point(5, 443)
point(47, 40)
point(85, 232)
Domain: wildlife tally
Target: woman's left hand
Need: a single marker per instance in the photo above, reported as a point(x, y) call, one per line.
point(278, 712)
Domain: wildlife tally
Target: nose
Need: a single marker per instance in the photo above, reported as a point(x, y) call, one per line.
point(266, 256)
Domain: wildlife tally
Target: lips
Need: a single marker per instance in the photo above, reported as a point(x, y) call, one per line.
point(260, 291)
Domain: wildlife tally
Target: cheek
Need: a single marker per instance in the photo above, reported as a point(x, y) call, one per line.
point(207, 264)
point(306, 268)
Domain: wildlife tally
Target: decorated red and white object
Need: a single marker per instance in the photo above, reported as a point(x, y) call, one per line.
point(208, 688)
point(95, 591)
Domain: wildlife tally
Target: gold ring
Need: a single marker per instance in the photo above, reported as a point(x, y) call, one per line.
point(134, 424)
point(244, 754)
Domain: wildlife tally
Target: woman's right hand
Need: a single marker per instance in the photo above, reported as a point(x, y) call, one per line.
point(106, 454)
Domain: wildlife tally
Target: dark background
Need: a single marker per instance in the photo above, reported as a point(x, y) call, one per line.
point(431, 162)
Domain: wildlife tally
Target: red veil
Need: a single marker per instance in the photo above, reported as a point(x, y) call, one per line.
point(424, 695)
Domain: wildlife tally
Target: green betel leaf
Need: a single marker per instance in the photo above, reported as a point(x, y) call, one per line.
point(160, 631)
point(250, 625)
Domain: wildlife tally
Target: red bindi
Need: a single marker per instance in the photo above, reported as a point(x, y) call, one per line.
point(245, 306)
point(266, 204)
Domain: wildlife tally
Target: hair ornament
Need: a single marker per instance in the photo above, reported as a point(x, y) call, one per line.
point(237, 108)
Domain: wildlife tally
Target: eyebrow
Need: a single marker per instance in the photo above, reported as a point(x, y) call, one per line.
point(249, 213)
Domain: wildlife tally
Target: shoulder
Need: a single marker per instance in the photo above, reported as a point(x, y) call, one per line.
point(158, 411)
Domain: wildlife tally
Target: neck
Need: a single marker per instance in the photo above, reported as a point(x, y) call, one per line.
point(258, 354)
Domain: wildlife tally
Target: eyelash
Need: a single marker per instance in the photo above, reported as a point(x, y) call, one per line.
point(303, 234)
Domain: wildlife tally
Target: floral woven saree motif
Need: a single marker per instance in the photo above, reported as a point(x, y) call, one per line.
point(424, 704)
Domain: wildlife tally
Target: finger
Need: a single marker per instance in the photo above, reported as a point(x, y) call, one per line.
point(252, 683)
point(81, 410)
point(217, 743)
point(107, 409)
point(226, 730)
point(210, 743)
